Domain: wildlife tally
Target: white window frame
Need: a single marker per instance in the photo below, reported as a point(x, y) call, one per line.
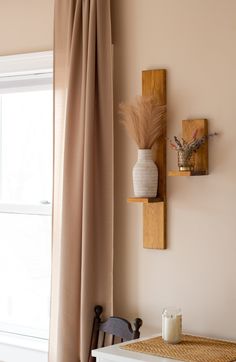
point(24, 72)
point(21, 71)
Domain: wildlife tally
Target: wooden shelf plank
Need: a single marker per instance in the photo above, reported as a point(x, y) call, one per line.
point(201, 156)
point(154, 84)
point(187, 173)
point(154, 211)
point(145, 200)
point(154, 225)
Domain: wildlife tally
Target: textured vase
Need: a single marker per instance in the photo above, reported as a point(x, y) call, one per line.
point(145, 175)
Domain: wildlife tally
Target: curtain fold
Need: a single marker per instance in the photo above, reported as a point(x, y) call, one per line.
point(82, 262)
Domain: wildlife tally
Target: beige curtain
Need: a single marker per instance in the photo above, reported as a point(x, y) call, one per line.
point(82, 273)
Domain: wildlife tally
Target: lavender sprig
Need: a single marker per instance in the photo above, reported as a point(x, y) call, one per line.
point(190, 146)
point(177, 141)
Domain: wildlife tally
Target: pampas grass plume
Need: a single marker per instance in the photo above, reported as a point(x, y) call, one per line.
point(144, 120)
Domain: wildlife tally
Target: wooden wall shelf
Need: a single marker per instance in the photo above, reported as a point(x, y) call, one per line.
point(201, 156)
point(144, 200)
point(187, 173)
point(154, 209)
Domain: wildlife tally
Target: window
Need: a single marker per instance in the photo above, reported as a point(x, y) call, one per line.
point(26, 143)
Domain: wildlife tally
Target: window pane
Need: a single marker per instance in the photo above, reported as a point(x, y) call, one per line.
point(25, 247)
point(26, 154)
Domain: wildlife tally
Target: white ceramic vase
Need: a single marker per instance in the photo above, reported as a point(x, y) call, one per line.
point(145, 175)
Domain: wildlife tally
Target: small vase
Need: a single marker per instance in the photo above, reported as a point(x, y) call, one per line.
point(185, 161)
point(145, 175)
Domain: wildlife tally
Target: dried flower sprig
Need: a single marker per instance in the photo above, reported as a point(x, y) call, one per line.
point(188, 147)
point(144, 120)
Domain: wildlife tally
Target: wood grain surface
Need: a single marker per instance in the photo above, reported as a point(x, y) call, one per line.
point(201, 156)
point(154, 214)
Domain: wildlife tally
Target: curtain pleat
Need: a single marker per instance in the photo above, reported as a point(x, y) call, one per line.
point(82, 265)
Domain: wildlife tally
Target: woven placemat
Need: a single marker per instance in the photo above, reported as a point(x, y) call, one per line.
point(190, 349)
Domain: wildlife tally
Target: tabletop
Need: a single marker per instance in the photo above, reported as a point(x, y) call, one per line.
point(116, 354)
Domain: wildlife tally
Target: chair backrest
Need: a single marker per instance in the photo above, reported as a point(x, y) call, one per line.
point(118, 328)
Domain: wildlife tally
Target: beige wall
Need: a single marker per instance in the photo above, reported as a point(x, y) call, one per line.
point(25, 26)
point(195, 41)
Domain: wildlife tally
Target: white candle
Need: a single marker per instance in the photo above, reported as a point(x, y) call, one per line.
point(171, 325)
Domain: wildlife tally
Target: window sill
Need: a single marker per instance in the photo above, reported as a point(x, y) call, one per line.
point(14, 348)
point(36, 344)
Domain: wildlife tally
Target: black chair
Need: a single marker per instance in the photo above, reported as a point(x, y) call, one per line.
point(118, 328)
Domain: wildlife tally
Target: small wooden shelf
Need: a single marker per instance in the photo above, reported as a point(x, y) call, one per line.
point(189, 126)
point(187, 173)
point(145, 200)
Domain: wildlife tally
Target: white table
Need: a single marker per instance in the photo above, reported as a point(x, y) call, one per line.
point(115, 353)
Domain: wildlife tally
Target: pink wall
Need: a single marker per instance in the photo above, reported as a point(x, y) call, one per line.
point(195, 41)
